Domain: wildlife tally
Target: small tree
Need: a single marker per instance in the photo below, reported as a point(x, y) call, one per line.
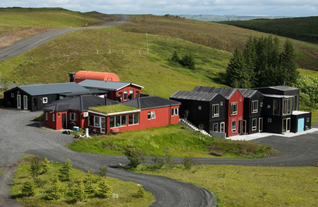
point(65, 170)
point(140, 193)
point(79, 192)
point(175, 57)
point(158, 162)
point(188, 61)
point(45, 165)
point(56, 191)
point(28, 189)
point(135, 156)
point(105, 190)
point(89, 181)
point(188, 162)
point(35, 168)
point(102, 171)
point(168, 157)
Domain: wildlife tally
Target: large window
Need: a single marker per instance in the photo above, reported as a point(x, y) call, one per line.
point(131, 94)
point(133, 119)
point(215, 110)
point(96, 121)
point(118, 121)
point(233, 126)
point(233, 108)
point(175, 112)
point(254, 107)
point(125, 95)
point(151, 114)
point(254, 124)
point(287, 106)
point(72, 116)
point(276, 106)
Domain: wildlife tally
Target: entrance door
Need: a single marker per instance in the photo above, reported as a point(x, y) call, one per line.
point(301, 125)
point(260, 124)
point(19, 101)
point(102, 125)
point(286, 125)
point(242, 127)
point(25, 102)
point(222, 127)
point(64, 120)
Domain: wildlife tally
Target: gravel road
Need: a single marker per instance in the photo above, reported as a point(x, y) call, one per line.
point(37, 40)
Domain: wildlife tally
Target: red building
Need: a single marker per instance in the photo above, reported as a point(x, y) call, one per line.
point(119, 91)
point(137, 114)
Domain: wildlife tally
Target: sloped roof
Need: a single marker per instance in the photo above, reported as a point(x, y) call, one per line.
point(106, 85)
point(225, 92)
point(247, 93)
point(80, 103)
point(279, 88)
point(194, 95)
point(149, 102)
point(55, 88)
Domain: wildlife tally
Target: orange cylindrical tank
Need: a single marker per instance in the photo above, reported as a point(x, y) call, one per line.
point(83, 75)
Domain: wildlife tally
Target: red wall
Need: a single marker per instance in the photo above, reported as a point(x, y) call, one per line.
point(236, 97)
point(57, 124)
point(113, 94)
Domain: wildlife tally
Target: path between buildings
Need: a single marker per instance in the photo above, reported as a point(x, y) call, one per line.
point(40, 39)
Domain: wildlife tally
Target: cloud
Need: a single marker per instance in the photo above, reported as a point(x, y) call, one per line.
point(219, 7)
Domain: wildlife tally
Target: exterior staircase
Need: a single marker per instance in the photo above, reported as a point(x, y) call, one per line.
point(191, 126)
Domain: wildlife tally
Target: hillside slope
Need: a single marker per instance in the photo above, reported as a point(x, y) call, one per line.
point(301, 28)
point(214, 35)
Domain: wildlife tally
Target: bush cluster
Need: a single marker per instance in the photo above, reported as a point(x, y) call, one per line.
point(186, 61)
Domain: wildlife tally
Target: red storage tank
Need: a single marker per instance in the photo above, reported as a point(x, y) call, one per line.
point(83, 75)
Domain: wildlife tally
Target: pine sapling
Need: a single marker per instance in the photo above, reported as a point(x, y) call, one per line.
point(105, 190)
point(65, 171)
point(28, 189)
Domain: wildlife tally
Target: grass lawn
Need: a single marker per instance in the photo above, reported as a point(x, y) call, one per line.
point(124, 189)
point(252, 186)
point(180, 142)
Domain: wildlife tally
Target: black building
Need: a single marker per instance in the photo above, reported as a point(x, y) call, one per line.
point(207, 109)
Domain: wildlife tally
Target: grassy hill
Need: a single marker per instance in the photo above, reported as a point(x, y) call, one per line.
point(46, 17)
point(301, 28)
point(214, 35)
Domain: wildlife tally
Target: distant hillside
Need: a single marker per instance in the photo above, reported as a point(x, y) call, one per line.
point(217, 18)
point(47, 17)
point(215, 35)
point(301, 28)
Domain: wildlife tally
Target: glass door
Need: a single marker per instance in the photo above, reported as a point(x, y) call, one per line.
point(102, 125)
point(19, 101)
point(286, 125)
point(25, 102)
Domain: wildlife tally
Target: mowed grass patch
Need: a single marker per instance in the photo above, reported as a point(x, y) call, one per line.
point(251, 186)
point(211, 34)
point(124, 189)
point(180, 141)
point(124, 53)
point(46, 17)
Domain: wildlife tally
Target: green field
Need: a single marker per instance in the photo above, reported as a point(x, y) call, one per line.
point(46, 17)
point(251, 186)
point(125, 190)
point(301, 28)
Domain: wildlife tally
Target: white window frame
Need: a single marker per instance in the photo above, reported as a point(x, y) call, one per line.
point(131, 92)
point(213, 110)
point(125, 95)
point(12, 95)
point(72, 118)
point(175, 112)
point(152, 115)
point(288, 108)
point(232, 108)
point(120, 121)
point(254, 110)
point(133, 119)
point(217, 127)
point(233, 130)
point(96, 119)
point(53, 117)
point(45, 100)
point(254, 128)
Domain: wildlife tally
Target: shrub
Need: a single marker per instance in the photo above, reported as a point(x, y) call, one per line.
point(28, 189)
point(105, 190)
point(102, 171)
point(65, 170)
point(39, 182)
point(188, 162)
point(56, 191)
point(140, 193)
point(35, 168)
point(135, 156)
point(158, 162)
point(45, 165)
point(89, 181)
point(79, 192)
point(168, 158)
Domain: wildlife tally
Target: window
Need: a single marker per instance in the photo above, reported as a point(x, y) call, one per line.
point(91, 120)
point(261, 104)
point(72, 116)
point(287, 106)
point(46, 116)
point(215, 110)
point(269, 120)
point(120, 97)
point(254, 124)
point(118, 121)
point(221, 103)
point(233, 126)
point(133, 119)
point(276, 106)
point(233, 108)
point(45, 100)
point(131, 94)
point(151, 115)
point(137, 94)
point(53, 117)
point(96, 121)
point(254, 107)
point(12, 95)
point(199, 107)
point(175, 112)
point(307, 119)
point(215, 127)
point(125, 95)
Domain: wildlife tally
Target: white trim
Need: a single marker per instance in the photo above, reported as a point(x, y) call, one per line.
point(128, 84)
point(71, 116)
point(45, 98)
point(25, 103)
point(254, 128)
point(19, 101)
point(116, 113)
point(254, 111)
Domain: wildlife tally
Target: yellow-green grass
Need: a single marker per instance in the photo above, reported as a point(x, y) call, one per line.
point(124, 189)
point(314, 117)
point(112, 108)
point(181, 142)
point(7, 30)
point(252, 186)
point(211, 34)
point(112, 50)
point(43, 17)
point(310, 73)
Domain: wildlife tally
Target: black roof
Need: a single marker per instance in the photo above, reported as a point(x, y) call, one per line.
point(247, 93)
point(89, 91)
point(80, 103)
point(194, 95)
point(279, 88)
point(226, 92)
point(149, 102)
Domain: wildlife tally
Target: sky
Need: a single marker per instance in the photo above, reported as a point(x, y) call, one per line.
point(295, 8)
